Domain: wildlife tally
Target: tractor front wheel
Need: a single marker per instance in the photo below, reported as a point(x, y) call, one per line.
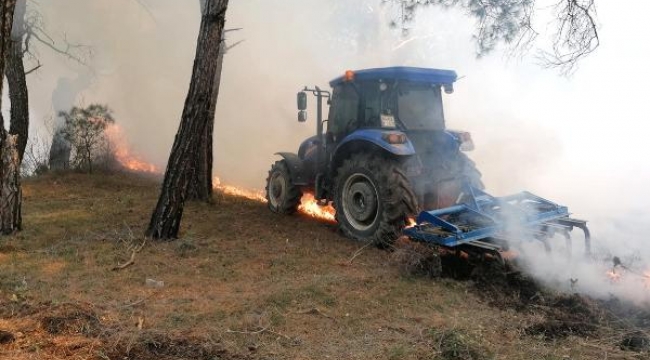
point(373, 199)
point(281, 194)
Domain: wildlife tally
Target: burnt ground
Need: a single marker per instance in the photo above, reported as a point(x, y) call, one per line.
point(560, 315)
point(242, 283)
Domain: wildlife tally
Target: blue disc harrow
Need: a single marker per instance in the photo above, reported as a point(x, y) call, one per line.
point(494, 223)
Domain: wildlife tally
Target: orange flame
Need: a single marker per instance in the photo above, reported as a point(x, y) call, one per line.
point(308, 204)
point(123, 153)
point(256, 195)
point(411, 222)
point(614, 277)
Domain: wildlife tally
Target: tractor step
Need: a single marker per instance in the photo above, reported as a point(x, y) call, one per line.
point(485, 219)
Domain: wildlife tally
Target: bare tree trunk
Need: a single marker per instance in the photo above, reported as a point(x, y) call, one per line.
point(11, 195)
point(201, 183)
point(10, 192)
point(166, 218)
point(16, 79)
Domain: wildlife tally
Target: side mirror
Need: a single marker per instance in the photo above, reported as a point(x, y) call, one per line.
point(302, 116)
point(302, 101)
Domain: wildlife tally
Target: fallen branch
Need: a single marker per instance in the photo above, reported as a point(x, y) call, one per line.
point(247, 332)
point(132, 259)
point(315, 311)
point(138, 302)
point(122, 266)
point(262, 330)
point(358, 252)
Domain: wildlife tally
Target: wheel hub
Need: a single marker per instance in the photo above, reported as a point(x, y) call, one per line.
point(363, 201)
point(277, 189)
point(360, 201)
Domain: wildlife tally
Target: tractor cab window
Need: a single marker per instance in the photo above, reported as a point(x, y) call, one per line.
point(372, 105)
point(419, 107)
point(344, 111)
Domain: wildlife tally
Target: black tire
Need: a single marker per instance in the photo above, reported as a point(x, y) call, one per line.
point(282, 196)
point(373, 199)
point(470, 172)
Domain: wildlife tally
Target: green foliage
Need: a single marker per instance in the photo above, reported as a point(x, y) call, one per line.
point(85, 129)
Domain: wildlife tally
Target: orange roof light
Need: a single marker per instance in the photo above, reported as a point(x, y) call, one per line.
point(349, 75)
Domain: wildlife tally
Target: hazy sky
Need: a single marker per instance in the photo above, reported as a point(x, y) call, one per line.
point(581, 141)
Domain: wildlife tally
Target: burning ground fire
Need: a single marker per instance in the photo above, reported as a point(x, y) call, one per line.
point(615, 275)
point(123, 153)
point(308, 204)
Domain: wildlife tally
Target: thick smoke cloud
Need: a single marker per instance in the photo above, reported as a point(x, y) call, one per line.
point(579, 141)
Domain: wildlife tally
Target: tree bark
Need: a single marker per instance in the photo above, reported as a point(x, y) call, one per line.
point(11, 195)
point(201, 182)
point(16, 79)
point(195, 120)
point(10, 192)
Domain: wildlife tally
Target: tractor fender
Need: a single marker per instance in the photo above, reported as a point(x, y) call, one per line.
point(296, 168)
point(376, 137)
point(370, 140)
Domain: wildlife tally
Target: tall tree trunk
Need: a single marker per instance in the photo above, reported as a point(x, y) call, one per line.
point(201, 182)
point(15, 72)
point(166, 218)
point(10, 192)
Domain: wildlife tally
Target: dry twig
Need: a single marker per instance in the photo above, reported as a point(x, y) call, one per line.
point(358, 252)
point(131, 261)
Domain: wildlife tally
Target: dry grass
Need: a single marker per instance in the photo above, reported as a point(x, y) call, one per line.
point(240, 283)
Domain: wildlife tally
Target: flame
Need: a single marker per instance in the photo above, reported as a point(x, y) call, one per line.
point(410, 222)
point(256, 195)
point(614, 277)
point(123, 153)
point(310, 206)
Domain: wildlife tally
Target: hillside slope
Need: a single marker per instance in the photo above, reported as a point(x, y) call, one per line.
point(245, 283)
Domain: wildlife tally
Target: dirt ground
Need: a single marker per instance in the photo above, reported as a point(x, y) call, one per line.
point(243, 283)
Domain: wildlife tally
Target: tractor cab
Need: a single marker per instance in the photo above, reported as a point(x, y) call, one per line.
point(404, 105)
point(380, 99)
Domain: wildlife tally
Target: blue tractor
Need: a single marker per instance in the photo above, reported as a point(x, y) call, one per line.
point(384, 154)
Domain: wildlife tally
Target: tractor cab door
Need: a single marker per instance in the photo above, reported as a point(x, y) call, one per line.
point(344, 114)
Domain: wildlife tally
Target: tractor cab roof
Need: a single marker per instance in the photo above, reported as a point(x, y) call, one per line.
point(424, 75)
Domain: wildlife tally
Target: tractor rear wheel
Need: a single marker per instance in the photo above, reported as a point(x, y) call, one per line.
point(373, 199)
point(282, 195)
